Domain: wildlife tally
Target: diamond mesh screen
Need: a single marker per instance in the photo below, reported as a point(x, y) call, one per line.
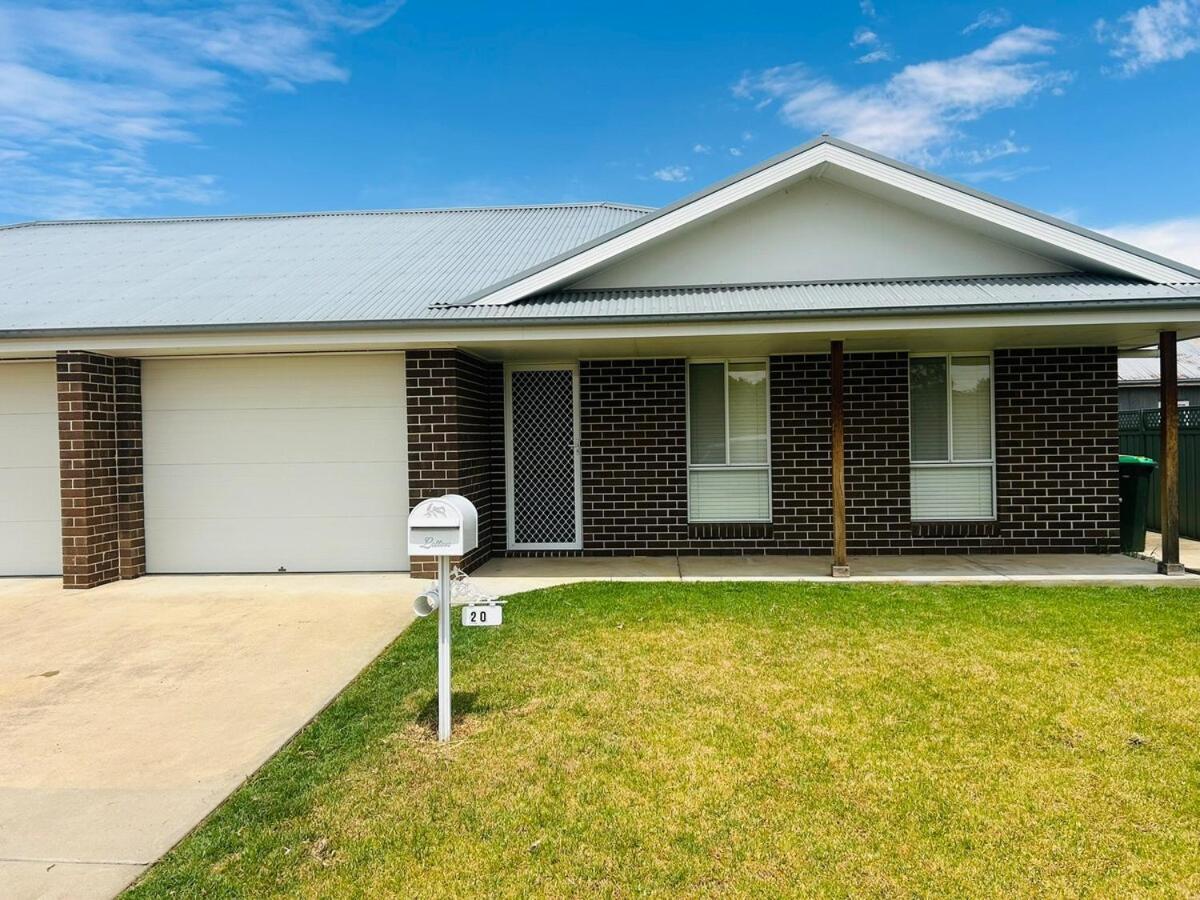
point(543, 449)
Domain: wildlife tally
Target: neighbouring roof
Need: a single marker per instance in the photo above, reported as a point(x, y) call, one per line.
point(321, 267)
point(1144, 370)
point(828, 297)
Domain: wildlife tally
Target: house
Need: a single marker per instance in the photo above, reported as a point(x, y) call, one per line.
point(1139, 385)
point(830, 353)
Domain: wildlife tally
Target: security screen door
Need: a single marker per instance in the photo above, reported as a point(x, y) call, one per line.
point(542, 406)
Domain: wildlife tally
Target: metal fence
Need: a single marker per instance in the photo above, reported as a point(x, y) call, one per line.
point(1139, 436)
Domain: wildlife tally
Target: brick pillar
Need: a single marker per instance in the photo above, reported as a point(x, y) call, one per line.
point(131, 517)
point(99, 440)
point(452, 402)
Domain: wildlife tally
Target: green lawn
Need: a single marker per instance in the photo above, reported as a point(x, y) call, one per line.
point(745, 739)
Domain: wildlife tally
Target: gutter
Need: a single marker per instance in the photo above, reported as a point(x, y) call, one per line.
point(883, 312)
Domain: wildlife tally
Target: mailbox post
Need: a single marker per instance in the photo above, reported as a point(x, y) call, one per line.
point(442, 527)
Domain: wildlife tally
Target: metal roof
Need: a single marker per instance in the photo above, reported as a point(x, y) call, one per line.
point(408, 266)
point(1144, 370)
point(479, 297)
point(296, 268)
point(825, 297)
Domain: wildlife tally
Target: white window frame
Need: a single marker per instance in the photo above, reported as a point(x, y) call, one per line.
point(950, 462)
point(687, 429)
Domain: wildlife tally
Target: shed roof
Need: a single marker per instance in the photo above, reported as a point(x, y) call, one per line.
point(1144, 369)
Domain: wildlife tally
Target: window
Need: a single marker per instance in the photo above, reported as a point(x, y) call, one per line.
point(950, 437)
point(729, 463)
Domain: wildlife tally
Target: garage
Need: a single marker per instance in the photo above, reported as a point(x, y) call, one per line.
point(30, 514)
point(273, 464)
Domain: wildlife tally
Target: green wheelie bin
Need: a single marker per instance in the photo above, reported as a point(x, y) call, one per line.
point(1135, 501)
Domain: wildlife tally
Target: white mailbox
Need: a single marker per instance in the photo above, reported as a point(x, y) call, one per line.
point(443, 526)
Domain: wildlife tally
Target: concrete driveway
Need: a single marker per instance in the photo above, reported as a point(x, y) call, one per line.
point(128, 712)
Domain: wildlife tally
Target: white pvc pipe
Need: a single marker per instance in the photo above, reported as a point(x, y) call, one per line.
point(444, 648)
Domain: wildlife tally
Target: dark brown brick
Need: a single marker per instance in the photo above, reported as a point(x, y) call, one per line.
point(454, 405)
point(100, 462)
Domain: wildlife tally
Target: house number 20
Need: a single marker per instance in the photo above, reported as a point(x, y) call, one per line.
point(482, 615)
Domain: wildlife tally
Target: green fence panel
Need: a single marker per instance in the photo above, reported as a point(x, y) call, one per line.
point(1139, 436)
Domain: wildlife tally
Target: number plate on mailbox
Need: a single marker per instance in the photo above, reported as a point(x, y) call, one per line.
point(482, 614)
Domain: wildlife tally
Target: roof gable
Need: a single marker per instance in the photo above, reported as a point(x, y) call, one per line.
point(1067, 245)
point(818, 230)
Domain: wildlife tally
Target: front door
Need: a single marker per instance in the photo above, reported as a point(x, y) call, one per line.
point(542, 457)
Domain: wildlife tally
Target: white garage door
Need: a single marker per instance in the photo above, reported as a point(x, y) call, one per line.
point(262, 464)
point(30, 514)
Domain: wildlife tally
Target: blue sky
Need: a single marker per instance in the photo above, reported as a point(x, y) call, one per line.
point(1085, 110)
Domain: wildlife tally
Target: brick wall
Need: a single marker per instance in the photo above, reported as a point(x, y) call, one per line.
point(131, 517)
point(1056, 447)
point(451, 438)
point(876, 410)
point(634, 453)
point(634, 458)
point(1056, 451)
point(100, 465)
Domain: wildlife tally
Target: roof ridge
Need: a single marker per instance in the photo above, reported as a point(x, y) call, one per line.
point(316, 214)
point(916, 279)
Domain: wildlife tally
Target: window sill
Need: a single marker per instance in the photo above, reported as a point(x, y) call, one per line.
point(729, 522)
point(987, 521)
point(729, 530)
point(956, 528)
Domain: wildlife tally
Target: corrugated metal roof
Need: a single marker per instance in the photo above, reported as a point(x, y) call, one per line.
point(320, 267)
point(409, 265)
point(1145, 369)
point(827, 297)
point(489, 295)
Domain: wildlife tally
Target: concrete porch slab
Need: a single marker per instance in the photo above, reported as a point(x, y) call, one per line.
point(506, 576)
point(511, 576)
point(1189, 550)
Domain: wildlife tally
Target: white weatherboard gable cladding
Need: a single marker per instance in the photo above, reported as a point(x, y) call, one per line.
point(817, 230)
point(30, 510)
point(1053, 239)
point(256, 464)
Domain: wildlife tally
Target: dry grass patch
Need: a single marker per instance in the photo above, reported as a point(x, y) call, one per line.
point(745, 739)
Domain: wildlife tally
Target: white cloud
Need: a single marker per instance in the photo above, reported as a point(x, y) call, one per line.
point(1000, 173)
point(916, 113)
point(864, 37)
point(868, 8)
point(673, 174)
point(875, 56)
point(976, 155)
point(703, 149)
point(735, 151)
point(87, 91)
point(1177, 239)
point(990, 19)
point(1167, 30)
